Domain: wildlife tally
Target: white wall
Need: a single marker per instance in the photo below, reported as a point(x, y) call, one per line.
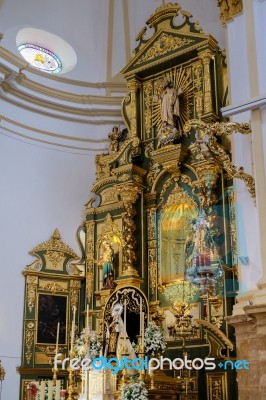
point(41, 189)
point(246, 58)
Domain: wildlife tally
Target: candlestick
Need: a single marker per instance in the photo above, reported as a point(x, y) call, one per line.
point(73, 330)
point(87, 317)
point(140, 318)
point(142, 337)
point(57, 338)
point(86, 384)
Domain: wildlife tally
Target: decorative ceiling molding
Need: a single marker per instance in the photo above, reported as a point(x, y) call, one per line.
point(22, 65)
point(51, 134)
point(59, 107)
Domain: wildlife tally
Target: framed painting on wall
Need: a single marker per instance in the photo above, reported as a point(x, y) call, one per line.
point(52, 309)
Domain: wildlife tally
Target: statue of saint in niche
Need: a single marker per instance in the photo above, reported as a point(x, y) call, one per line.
point(168, 100)
point(106, 262)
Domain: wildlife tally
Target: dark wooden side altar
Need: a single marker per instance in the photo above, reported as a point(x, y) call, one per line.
point(160, 229)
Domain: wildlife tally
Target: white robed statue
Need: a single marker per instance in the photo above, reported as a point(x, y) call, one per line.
point(117, 341)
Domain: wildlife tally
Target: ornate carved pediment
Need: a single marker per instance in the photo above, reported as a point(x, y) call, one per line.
point(53, 254)
point(170, 39)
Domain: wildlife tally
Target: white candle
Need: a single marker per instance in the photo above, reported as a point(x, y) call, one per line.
point(42, 391)
point(125, 323)
point(73, 329)
point(50, 390)
point(142, 337)
point(57, 338)
point(57, 389)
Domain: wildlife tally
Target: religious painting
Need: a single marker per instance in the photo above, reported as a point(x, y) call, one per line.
point(175, 227)
point(52, 310)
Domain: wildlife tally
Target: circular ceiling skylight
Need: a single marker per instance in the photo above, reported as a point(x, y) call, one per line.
point(45, 51)
point(40, 58)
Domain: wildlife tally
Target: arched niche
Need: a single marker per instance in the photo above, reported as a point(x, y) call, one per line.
point(175, 220)
point(133, 297)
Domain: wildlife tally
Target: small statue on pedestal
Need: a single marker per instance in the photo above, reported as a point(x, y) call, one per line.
point(114, 136)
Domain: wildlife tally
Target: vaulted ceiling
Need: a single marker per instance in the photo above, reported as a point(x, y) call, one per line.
point(76, 110)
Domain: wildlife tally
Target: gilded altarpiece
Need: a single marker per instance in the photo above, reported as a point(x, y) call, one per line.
point(159, 232)
point(173, 169)
point(52, 292)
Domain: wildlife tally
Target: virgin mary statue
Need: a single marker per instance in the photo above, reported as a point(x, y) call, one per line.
point(116, 344)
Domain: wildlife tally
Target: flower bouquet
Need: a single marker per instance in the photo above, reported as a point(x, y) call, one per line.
point(154, 340)
point(134, 391)
point(87, 344)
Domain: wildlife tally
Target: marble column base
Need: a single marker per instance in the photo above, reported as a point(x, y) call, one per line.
point(250, 331)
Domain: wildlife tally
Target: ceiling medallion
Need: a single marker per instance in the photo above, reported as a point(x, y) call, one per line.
point(41, 58)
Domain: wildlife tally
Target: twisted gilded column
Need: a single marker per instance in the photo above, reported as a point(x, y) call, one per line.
point(129, 194)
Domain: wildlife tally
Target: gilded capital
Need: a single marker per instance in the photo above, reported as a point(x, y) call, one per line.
point(133, 85)
point(205, 56)
point(129, 193)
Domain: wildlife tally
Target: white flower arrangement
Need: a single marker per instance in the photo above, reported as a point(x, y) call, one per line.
point(134, 391)
point(154, 340)
point(87, 344)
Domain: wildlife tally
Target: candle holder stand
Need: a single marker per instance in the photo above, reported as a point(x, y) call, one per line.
point(124, 354)
point(141, 354)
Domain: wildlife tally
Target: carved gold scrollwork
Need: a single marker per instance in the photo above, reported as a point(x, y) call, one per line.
point(54, 287)
point(147, 88)
point(32, 282)
point(164, 44)
point(109, 196)
point(152, 255)
point(198, 94)
point(170, 158)
point(229, 8)
point(217, 321)
point(74, 292)
point(55, 244)
point(109, 230)
point(54, 257)
point(233, 231)
point(216, 386)
point(29, 335)
point(210, 148)
point(231, 169)
point(89, 258)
